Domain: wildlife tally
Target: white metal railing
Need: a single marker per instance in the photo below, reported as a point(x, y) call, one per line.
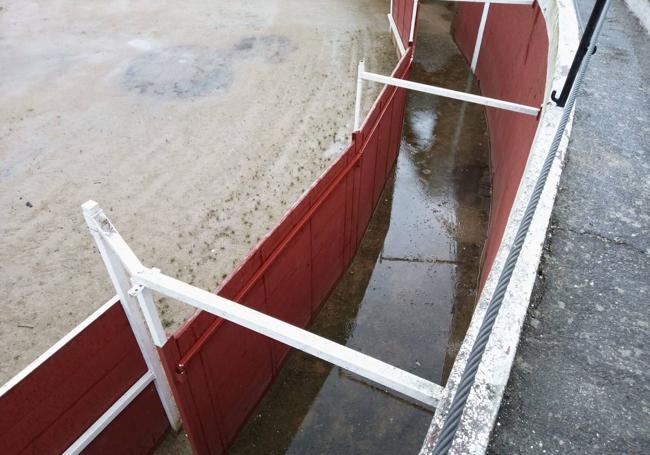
point(138, 281)
point(362, 74)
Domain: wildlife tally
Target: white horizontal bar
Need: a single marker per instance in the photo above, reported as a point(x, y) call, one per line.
point(470, 98)
point(96, 428)
point(400, 381)
point(506, 2)
point(398, 39)
point(57, 346)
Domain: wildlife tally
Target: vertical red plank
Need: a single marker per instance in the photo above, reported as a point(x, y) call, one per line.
point(211, 426)
point(328, 230)
point(350, 210)
point(170, 356)
point(383, 132)
point(369, 153)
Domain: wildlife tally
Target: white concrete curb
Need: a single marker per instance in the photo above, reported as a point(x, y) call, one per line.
point(484, 400)
point(641, 9)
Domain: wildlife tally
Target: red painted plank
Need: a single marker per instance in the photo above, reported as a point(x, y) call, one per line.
point(366, 192)
point(383, 141)
point(328, 236)
point(170, 356)
point(208, 427)
point(289, 287)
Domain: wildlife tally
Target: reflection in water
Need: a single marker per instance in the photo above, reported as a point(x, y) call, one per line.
point(408, 295)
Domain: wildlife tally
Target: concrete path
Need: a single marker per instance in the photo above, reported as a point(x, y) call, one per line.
point(581, 379)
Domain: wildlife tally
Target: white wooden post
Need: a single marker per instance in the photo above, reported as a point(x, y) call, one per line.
point(479, 35)
point(357, 103)
point(412, 32)
point(120, 275)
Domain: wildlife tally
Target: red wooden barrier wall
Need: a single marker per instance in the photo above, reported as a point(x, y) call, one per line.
point(55, 403)
point(218, 370)
point(511, 67)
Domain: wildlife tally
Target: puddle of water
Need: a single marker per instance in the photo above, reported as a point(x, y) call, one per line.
point(408, 295)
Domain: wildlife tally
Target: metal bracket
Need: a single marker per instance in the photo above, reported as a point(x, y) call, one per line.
point(135, 290)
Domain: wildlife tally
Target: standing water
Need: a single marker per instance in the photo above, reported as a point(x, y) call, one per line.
point(409, 292)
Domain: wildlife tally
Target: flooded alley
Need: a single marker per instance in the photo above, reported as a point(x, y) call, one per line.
point(409, 293)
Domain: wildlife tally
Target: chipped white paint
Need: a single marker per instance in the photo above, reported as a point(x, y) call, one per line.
point(485, 397)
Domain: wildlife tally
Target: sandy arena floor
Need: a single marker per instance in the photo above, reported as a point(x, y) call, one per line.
point(195, 125)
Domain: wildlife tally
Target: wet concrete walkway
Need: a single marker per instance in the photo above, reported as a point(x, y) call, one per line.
point(409, 292)
point(581, 378)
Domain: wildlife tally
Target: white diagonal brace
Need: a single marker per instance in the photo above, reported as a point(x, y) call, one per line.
point(396, 36)
point(433, 90)
point(121, 263)
point(404, 383)
point(105, 419)
point(479, 36)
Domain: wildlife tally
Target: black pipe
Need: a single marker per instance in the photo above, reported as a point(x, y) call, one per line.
point(585, 44)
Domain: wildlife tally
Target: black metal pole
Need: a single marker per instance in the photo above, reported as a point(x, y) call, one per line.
point(585, 43)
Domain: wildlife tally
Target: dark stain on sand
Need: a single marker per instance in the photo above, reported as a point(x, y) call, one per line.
point(190, 71)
